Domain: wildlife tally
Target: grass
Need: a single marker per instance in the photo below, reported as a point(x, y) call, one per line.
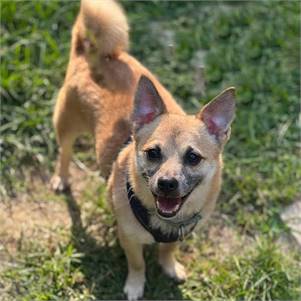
point(251, 45)
point(59, 275)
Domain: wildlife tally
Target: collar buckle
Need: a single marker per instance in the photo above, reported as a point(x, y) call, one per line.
point(181, 234)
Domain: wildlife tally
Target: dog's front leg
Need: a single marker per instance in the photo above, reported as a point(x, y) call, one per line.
point(168, 262)
point(134, 285)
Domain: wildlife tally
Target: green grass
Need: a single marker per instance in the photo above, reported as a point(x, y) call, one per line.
point(251, 45)
point(260, 274)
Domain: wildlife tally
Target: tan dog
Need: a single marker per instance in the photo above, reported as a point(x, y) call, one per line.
point(166, 181)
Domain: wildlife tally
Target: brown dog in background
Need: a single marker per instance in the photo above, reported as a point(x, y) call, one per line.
point(166, 181)
point(97, 94)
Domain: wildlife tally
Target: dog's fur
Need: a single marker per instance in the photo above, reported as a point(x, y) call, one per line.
point(102, 95)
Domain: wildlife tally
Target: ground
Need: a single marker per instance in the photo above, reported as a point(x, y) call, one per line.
point(64, 247)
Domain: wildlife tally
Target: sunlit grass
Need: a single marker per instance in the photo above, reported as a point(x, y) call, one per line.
point(253, 46)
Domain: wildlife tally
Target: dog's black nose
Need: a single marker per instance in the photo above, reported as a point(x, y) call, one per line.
point(167, 185)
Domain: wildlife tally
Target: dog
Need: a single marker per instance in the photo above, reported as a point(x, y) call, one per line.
point(165, 180)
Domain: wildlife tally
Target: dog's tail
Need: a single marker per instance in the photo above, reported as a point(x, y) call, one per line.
point(101, 28)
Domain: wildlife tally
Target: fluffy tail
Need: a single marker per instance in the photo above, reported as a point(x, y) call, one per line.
point(101, 28)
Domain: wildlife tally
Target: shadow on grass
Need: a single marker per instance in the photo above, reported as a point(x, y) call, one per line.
point(105, 267)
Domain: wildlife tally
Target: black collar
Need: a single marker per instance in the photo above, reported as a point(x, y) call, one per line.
point(143, 216)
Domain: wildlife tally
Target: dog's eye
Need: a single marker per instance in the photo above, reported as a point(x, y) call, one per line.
point(154, 154)
point(192, 158)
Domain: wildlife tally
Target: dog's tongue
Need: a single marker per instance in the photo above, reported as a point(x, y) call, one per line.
point(168, 205)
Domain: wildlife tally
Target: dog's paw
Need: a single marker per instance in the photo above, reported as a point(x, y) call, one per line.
point(59, 184)
point(175, 270)
point(134, 288)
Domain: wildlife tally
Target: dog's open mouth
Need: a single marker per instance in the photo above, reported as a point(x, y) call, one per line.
point(169, 207)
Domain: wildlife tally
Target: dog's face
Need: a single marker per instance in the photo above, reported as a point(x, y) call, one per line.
point(177, 153)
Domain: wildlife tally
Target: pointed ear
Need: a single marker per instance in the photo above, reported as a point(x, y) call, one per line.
point(147, 103)
point(219, 113)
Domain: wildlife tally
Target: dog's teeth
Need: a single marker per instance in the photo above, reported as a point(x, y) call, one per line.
point(163, 210)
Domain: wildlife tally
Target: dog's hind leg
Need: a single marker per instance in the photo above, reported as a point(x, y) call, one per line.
point(60, 180)
point(168, 262)
point(68, 124)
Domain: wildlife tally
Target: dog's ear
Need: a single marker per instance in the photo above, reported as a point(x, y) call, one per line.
point(147, 103)
point(218, 114)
